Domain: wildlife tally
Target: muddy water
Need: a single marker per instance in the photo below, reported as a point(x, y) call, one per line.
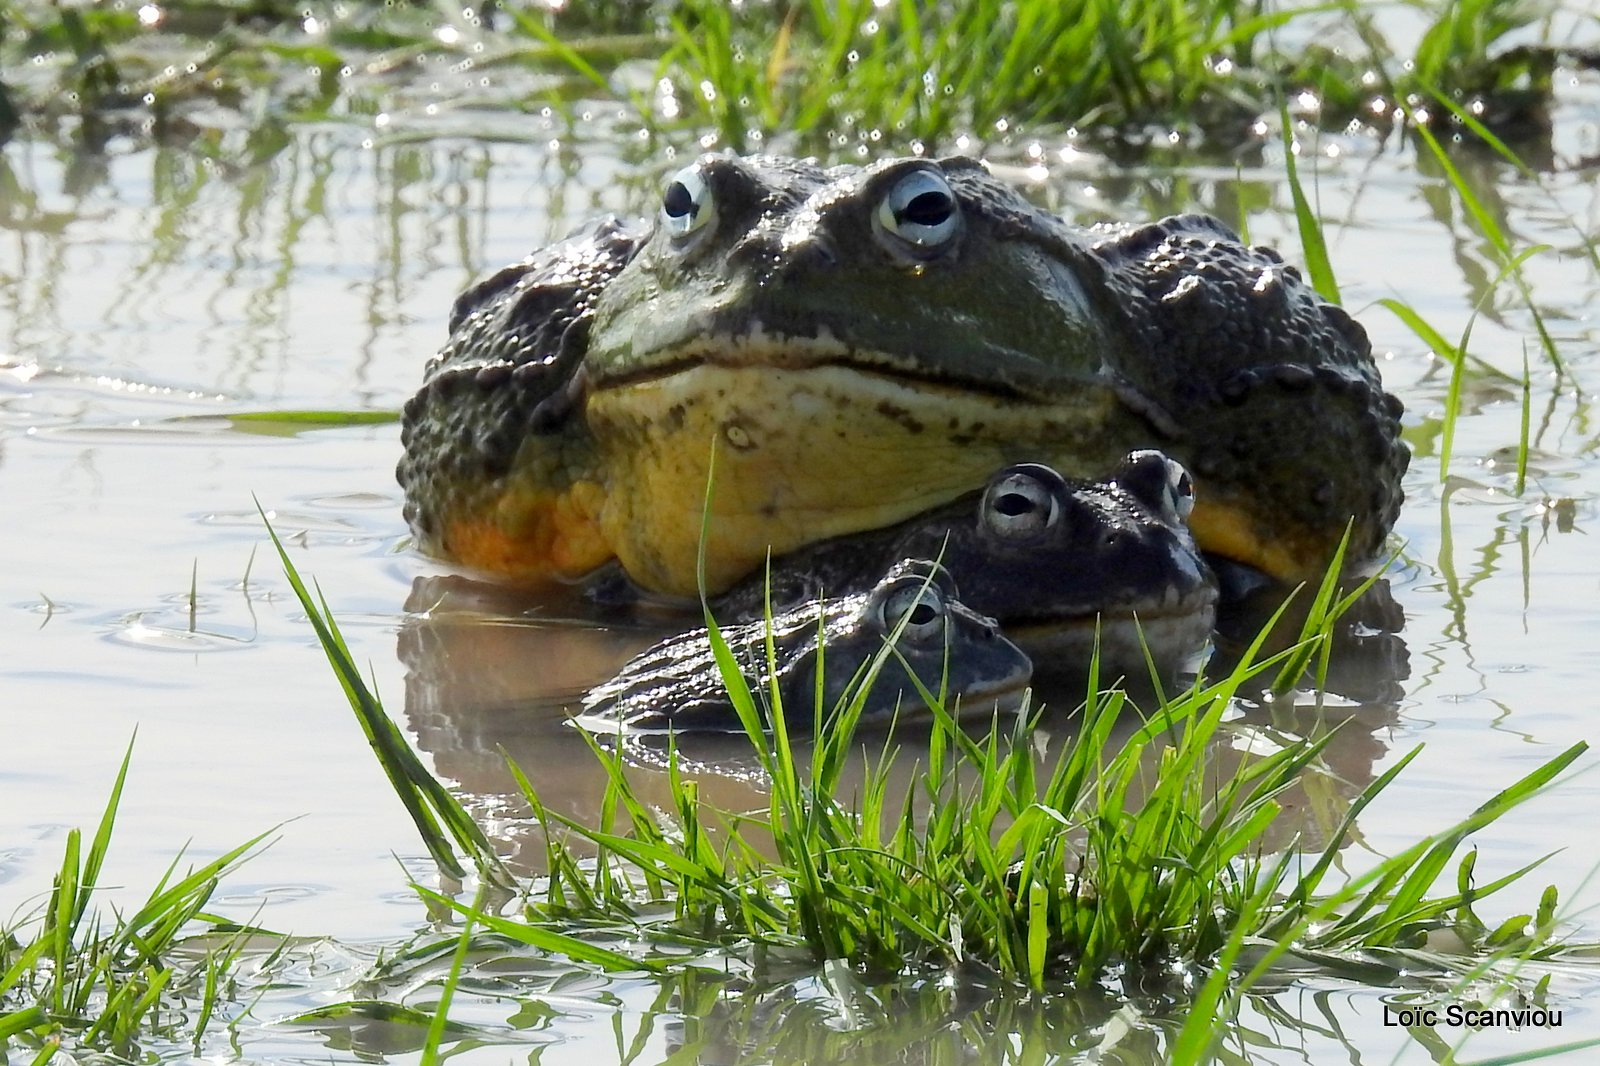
point(148, 297)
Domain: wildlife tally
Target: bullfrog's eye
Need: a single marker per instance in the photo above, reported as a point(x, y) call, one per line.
point(921, 210)
point(1180, 488)
point(1160, 481)
point(687, 205)
point(919, 603)
point(1022, 503)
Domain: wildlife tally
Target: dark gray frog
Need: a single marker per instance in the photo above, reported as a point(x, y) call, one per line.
point(1067, 566)
point(865, 343)
point(677, 686)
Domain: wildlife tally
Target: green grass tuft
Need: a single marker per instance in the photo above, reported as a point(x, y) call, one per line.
point(72, 981)
point(1046, 877)
point(838, 75)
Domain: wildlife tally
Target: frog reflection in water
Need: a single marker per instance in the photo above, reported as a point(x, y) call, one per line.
point(821, 649)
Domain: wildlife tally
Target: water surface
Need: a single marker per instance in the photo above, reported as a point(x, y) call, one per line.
point(149, 294)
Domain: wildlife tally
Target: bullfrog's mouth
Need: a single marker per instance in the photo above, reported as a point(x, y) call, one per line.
point(999, 698)
point(746, 325)
point(1177, 600)
point(758, 348)
point(1171, 629)
point(973, 703)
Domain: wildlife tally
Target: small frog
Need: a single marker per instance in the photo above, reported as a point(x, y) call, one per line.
point(1063, 564)
point(825, 644)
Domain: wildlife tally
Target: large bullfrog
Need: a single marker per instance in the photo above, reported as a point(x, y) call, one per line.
point(820, 651)
point(1066, 566)
point(858, 345)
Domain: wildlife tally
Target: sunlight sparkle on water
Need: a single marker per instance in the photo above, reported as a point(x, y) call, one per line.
point(666, 99)
point(150, 15)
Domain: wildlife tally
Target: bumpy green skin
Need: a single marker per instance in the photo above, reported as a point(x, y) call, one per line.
point(511, 375)
point(1263, 388)
point(677, 685)
point(1171, 334)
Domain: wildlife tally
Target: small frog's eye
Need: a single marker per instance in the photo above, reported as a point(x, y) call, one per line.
point(1159, 481)
point(1021, 504)
point(921, 210)
point(687, 205)
point(920, 604)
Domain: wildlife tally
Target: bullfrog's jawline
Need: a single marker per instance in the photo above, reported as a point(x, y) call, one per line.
point(1121, 641)
point(1124, 619)
point(758, 347)
point(1003, 696)
point(663, 371)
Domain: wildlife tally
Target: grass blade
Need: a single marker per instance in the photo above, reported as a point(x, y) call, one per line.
point(427, 801)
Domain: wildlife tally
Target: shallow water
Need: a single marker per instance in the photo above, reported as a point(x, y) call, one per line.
point(148, 295)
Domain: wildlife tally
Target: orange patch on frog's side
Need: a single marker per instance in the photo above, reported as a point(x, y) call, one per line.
point(1224, 528)
point(533, 534)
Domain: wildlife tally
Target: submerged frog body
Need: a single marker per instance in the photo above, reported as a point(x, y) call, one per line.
point(861, 344)
point(676, 685)
point(1067, 567)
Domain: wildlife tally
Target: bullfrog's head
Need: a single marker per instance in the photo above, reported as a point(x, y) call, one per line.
point(1075, 568)
point(898, 326)
point(928, 274)
point(823, 650)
